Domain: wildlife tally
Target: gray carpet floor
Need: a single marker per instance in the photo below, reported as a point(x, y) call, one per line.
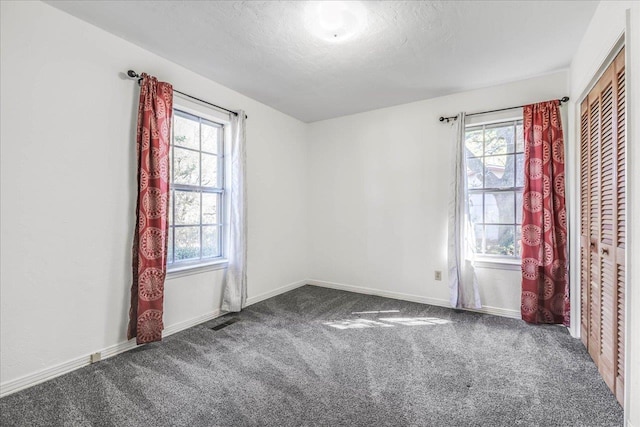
point(321, 357)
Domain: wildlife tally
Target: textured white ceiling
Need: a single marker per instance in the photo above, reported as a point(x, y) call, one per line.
point(409, 50)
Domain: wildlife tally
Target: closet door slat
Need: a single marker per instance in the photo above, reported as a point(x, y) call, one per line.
point(584, 223)
point(595, 292)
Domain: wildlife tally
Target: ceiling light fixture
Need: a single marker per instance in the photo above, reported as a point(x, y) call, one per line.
point(335, 21)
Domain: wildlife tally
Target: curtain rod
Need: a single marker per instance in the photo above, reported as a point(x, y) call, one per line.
point(448, 119)
point(135, 75)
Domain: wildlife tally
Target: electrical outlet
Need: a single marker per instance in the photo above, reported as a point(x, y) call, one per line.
point(95, 357)
point(438, 275)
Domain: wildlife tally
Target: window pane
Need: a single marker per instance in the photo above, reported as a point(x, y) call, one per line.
point(187, 209)
point(499, 207)
point(210, 208)
point(210, 138)
point(170, 246)
point(491, 211)
point(186, 132)
point(196, 168)
point(475, 169)
point(519, 170)
point(498, 139)
point(478, 231)
point(187, 243)
point(209, 170)
point(171, 164)
point(186, 166)
point(519, 138)
point(494, 155)
point(500, 240)
point(474, 142)
point(499, 171)
point(518, 240)
point(519, 207)
point(171, 196)
point(475, 208)
point(210, 241)
point(495, 167)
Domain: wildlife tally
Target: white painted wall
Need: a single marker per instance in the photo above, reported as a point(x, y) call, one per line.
point(366, 194)
point(607, 26)
point(68, 190)
point(379, 184)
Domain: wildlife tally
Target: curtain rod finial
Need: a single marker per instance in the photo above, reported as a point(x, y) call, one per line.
point(564, 99)
point(448, 119)
point(132, 74)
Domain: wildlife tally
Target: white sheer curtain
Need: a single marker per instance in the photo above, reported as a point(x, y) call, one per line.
point(463, 284)
point(235, 283)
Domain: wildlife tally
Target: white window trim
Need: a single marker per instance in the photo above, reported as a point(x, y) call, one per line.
point(495, 261)
point(509, 115)
point(204, 111)
point(187, 270)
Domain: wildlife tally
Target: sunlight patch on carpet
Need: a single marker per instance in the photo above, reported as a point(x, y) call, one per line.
point(376, 312)
point(386, 322)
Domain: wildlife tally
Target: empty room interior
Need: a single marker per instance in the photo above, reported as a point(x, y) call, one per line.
point(320, 213)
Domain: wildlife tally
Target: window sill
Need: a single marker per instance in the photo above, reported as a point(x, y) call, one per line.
point(188, 270)
point(498, 264)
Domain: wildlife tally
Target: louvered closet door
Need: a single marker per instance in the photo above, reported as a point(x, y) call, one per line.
point(605, 258)
point(602, 228)
point(619, 244)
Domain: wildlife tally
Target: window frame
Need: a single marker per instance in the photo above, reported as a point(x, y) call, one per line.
point(505, 262)
point(184, 106)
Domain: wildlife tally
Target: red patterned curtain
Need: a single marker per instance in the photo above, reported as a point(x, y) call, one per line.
point(545, 284)
point(150, 238)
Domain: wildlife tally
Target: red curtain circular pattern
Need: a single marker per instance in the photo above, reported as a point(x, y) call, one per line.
point(150, 239)
point(545, 284)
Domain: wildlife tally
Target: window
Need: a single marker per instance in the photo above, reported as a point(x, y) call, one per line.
point(197, 195)
point(495, 160)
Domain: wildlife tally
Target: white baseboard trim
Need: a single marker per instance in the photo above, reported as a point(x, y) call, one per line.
point(496, 311)
point(274, 292)
point(12, 386)
point(186, 324)
point(378, 292)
